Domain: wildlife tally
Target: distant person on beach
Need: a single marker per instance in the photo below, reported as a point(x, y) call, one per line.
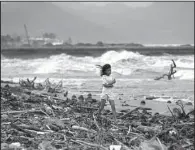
point(171, 72)
point(107, 91)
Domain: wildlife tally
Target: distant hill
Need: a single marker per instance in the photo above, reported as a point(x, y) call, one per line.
point(43, 17)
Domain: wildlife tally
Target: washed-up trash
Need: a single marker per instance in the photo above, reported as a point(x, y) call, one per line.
point(57, 107)
point(55, 121)
point(153, 144)
point(25, 96)
point(51, 122)
point(189, 103)
point(15, 145)
point(48, 109)
point(173, 131)
point(151, 97)
point(4, 146)
point(67, 109)
point(115, 147)
point(156, 129)
point(46, 145)
point(26, 91)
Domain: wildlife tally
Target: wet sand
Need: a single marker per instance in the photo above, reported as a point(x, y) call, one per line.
point(132, 92)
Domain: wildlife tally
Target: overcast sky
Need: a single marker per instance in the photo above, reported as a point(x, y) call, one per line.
point(133, 4)
point(149, 22)
point(100, 4)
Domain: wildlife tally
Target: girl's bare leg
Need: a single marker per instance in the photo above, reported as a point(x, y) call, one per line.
point(112, 103)
point(102, 104)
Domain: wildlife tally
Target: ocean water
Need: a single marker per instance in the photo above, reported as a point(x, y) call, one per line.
point(134, 72)
point(125, 64)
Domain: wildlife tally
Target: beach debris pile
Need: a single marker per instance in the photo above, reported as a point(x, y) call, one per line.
point(40, 119)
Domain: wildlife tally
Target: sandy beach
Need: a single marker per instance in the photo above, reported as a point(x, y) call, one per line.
point(133, 93)
point(156, 94)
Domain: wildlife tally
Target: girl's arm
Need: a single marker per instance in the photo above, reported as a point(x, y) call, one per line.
point(107, 82)
point(108, 85)
point(113, 82)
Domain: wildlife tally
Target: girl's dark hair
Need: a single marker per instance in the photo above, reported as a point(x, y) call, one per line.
point(104, 68)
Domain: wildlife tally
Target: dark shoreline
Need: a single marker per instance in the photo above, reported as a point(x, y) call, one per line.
point(91, 51)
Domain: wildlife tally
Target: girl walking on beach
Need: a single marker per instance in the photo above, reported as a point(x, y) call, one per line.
point(107, 91)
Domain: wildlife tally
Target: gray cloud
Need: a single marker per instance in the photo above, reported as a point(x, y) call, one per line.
point(158, 23)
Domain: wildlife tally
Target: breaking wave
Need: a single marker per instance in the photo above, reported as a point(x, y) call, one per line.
point(124, 63)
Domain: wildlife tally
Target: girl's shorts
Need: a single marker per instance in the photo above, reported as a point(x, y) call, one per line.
point(108, 96)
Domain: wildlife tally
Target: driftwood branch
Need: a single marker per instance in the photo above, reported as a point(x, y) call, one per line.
point(171, 113)
point(130, 112)
point(83, 129)
point(24, 111)
point(89, 144)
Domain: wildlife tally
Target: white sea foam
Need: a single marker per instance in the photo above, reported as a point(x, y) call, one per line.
point(174, 100)
point(123, 63)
